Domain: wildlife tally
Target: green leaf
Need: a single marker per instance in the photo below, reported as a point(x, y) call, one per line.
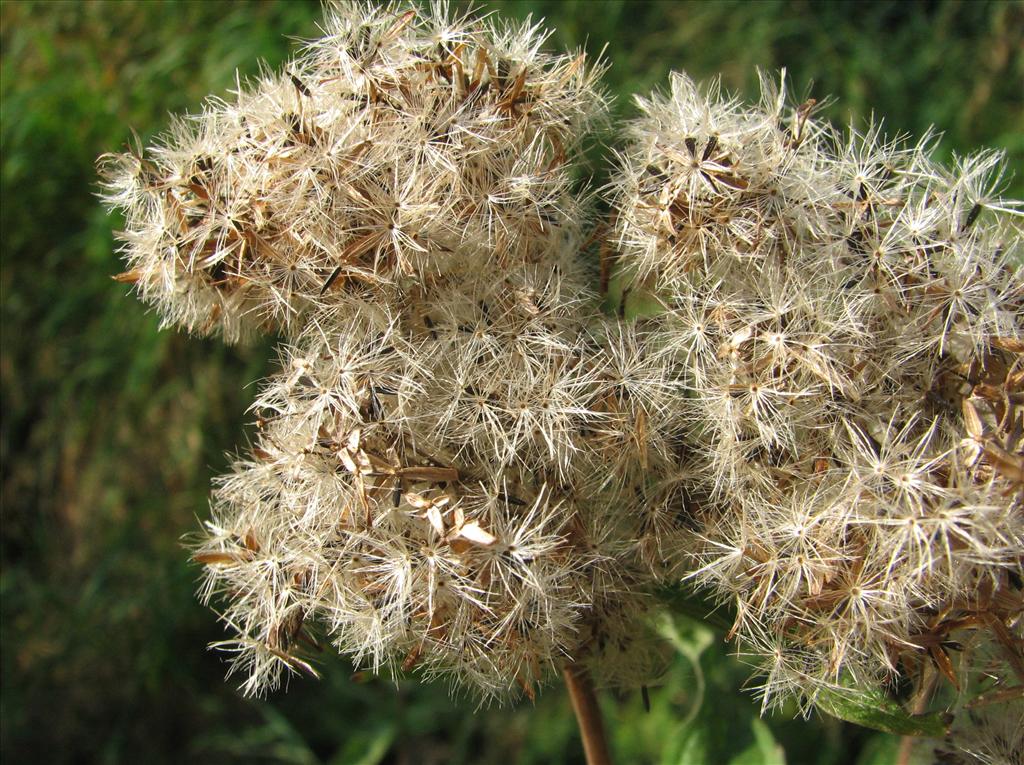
point(694, 746)
point(880, 750)
point(764, 751)
point(635, 302)
point(870, 708)
point(874, 709)
point(368, 748)
point(688, 601)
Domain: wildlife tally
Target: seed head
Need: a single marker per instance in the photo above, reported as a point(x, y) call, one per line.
point(846, 316)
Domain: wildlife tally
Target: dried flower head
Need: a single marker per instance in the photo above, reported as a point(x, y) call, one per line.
point(399, 143)
point(846, 316)
point(443, 461)
point(462, 467)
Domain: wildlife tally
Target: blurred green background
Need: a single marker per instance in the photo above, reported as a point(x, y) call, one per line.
point(112, 430)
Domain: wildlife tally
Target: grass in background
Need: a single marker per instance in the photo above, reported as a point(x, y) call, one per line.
point(112, 430)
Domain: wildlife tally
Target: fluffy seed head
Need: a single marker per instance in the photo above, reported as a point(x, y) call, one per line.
point(846, 315)
point(401, 142)
point(443, 460)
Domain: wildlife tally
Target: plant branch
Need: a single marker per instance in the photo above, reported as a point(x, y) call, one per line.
point(588, 715)
point(929, 676)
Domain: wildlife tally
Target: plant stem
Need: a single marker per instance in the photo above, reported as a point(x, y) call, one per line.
point(588, 715)
point(919, 704)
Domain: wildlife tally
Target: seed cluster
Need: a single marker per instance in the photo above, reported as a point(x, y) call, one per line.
point(846, 317)
point(462, 466)
point(442, 461)
point(388, 151)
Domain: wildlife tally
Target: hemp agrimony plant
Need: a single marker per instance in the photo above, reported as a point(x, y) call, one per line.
point(465, 467)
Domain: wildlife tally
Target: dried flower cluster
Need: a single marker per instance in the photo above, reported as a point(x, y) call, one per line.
point(439, 474)
point(383, 153)
point(846, 317)
point(461, 466)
